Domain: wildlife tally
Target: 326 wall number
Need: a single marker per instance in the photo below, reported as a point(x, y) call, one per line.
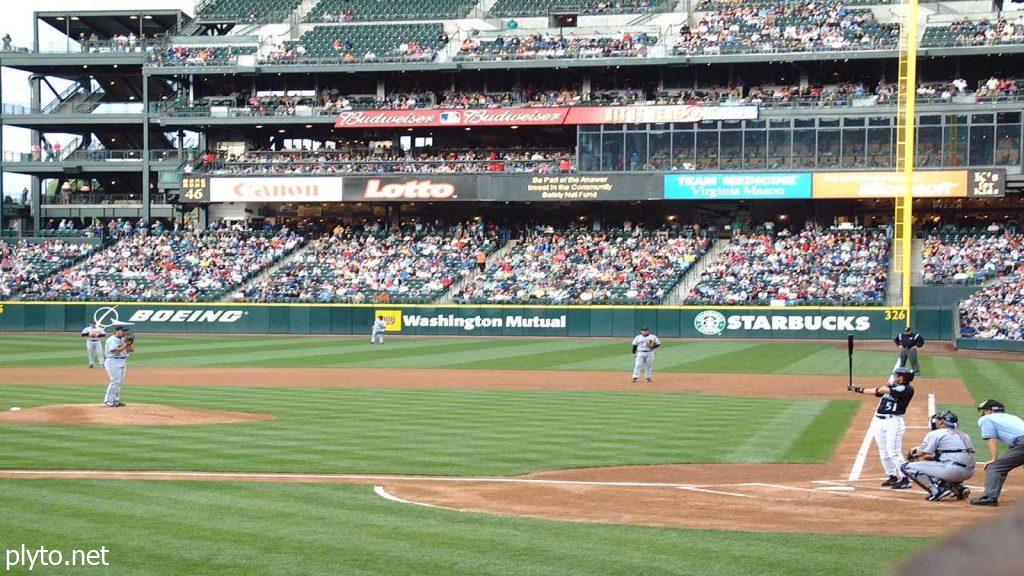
point(896, 314)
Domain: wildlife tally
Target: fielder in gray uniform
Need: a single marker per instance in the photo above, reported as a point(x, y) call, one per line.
point(118, 348)
point(93, 335)
point(944, 460)
point(643, 348)
point(377, 332)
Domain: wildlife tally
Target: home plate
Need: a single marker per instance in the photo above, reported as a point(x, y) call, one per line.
point(837, 488)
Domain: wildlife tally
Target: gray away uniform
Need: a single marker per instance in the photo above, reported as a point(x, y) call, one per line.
point(116, 364)
point(645, 346)
point(954, 458)
point(94, 344)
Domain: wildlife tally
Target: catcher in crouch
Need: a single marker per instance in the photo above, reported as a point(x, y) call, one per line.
point(943, 461)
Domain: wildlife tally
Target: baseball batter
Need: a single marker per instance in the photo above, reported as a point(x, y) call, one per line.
point(888, 424)
point(943, 461)
point(643, 348)
point(118, 348)
point(93, 335)
point(377, 331)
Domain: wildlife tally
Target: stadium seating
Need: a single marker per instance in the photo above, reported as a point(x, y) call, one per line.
point(813, 267)
point(382, 42)
point(520, 8)
point(357, 10)
point(181, 266)
point(247, 10)
point(995, 312)
point(579, 266)
point(415, 264)
point(964, 32)
point(362, 161)
point(23, 265)
point(542, 46)
point(970, 256)
point(200, 56)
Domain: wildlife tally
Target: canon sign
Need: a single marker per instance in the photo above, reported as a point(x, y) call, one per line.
point(284, 189)
point(377, 189)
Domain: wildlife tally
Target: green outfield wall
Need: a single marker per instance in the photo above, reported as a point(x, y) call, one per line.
point(577, 321)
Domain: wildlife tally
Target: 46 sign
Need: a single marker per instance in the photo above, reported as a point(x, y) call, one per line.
point(195, 189)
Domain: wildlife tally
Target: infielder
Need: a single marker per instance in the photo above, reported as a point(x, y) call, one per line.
point(643, 348)
point(944, 460)
point(93, 335)
point(118, 348)
point(888, 424)
point(998, 426)
point(377, 331)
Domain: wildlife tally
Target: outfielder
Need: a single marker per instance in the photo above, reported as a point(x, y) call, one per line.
point(118, 348)
point(643, 348)
point(888, 424)
point(377, 331)
point(944, 460)
point(93, 335)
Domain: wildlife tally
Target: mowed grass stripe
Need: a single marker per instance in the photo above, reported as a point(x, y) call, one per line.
point(546, 359)
point(823, 435)
point(486, 350)
point(159, 350)
point(777, 435)
point(315, 529)
point(460, 432)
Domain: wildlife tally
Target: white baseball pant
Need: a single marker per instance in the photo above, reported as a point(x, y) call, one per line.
point(644, 362)
point(94, 352)
point(377, 338)
point(889, 440)
point(115, 369)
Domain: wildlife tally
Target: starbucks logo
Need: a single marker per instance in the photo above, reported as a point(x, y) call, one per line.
point(709, 323)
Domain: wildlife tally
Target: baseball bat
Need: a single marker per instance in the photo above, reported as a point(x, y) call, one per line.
point(849, 354)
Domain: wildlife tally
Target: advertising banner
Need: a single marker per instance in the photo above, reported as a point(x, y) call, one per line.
point(276, 189)
point(927, 184)
point(412, 188)
point(829, 324)
point(575, 187)
point(737, 186)
point(540, 116)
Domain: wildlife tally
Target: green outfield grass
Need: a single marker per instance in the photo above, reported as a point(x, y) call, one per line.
point(219, 528)
point(160, 528)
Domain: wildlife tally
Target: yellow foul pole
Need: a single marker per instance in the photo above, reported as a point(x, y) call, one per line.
point(905, 153)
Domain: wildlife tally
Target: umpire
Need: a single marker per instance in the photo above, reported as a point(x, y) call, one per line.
point(998, 426)
point(909, 341)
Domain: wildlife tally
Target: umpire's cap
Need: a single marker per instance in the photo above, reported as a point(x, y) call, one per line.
point(993, 405)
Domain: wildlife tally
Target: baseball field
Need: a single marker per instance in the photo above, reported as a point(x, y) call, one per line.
point(328, 455)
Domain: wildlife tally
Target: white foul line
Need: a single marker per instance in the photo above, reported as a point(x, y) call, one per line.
point(705, 490)
point(383, 493)
point(862, 454)
point(818, 491)
point(931, 408)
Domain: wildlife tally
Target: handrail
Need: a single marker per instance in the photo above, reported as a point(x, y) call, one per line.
point(63, 97)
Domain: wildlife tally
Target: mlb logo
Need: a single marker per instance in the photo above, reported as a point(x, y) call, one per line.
point(451, 118)
point(393, 319)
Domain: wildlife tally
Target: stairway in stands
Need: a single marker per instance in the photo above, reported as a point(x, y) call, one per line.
point(492, 259)
point(678, 294)
point(238, 294)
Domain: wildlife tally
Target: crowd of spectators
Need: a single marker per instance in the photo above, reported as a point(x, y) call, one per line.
point(813, 266)
point(413, 263)
point(995, 312)
point(966, 32)
point(199, 55)
point(346, 52)
point(552, 45)
point(959, 257)
point(581, 266)
point(23, 265)
point(804, 26)
point(373, 162)
point(170, 266)
point(622, 6)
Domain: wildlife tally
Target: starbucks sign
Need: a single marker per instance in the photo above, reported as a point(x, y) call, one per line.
point(709, 323)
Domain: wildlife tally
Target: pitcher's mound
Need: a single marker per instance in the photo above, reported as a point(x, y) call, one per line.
point(130, 415)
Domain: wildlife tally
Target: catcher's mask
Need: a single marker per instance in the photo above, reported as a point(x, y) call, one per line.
point(948, 418)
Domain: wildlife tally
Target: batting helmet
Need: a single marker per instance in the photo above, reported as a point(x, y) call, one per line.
point(907, 373)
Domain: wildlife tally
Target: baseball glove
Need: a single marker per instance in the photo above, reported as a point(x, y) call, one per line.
point(130, 339)
point(912, 456)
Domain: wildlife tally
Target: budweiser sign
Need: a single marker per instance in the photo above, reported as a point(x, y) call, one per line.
point(376, 189)
point(540, 116)
point(276, 189)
